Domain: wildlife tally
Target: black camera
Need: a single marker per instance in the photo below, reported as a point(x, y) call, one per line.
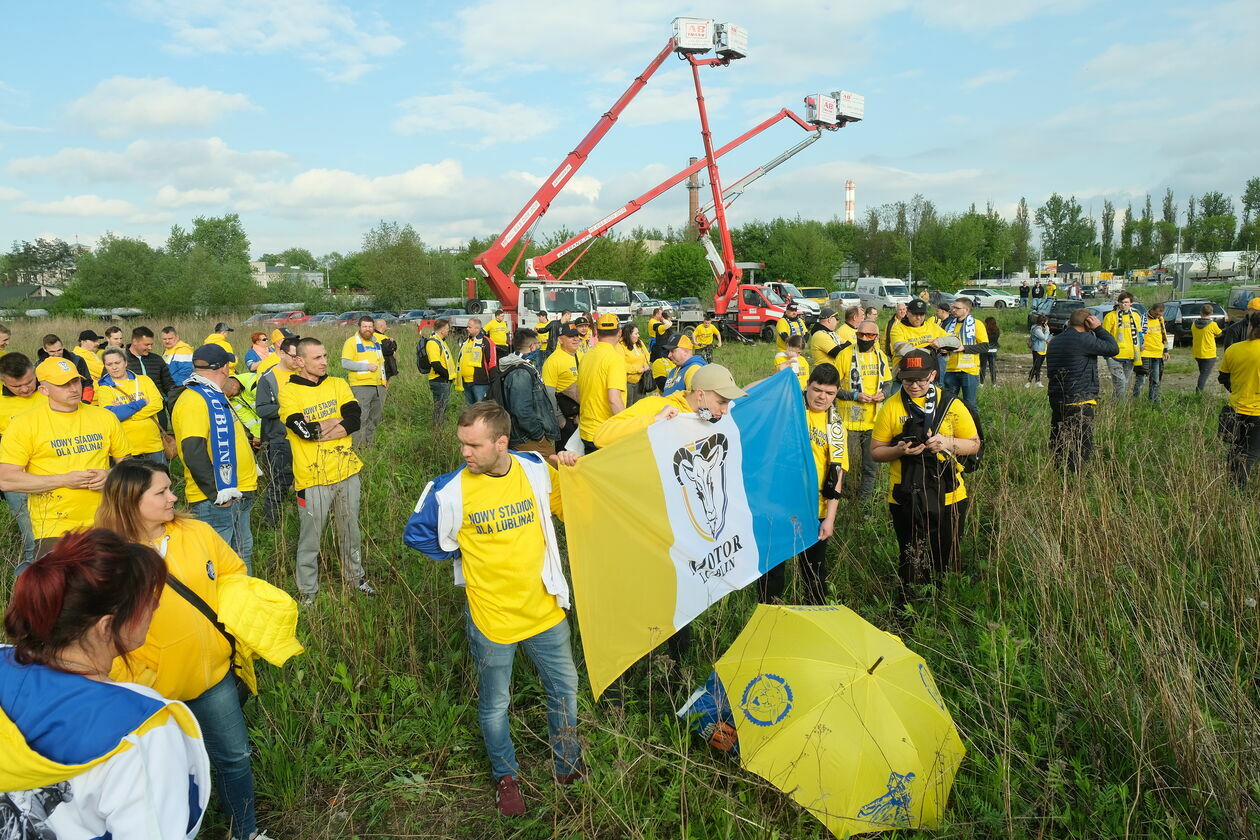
point(914, 432)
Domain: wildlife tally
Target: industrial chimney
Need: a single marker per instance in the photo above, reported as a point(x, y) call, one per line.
point(693, 201)
point(850, 199)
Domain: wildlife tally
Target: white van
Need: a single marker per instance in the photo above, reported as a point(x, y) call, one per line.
point(884, 292)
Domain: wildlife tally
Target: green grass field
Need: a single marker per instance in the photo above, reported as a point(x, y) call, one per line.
point(1099, 654)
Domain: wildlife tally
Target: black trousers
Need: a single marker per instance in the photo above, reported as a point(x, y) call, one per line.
point(1038, 360)
point(812, 567)
point(1243, 439)
point(988, 362)
point(928, 541)
point(1071, 433)
point(278, 467)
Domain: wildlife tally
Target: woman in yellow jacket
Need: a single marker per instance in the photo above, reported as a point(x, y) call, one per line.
point(1154, 353)
point(638, 362)
point(184, 656)
point(1203, 333)
point(135, 400)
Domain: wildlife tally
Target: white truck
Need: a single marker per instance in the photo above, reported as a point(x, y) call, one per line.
point(611, 296)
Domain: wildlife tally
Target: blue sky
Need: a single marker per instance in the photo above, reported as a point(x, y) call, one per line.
point(314, 119)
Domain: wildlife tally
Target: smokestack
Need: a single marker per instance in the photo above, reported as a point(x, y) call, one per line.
point(693, 200)
point(850, 200)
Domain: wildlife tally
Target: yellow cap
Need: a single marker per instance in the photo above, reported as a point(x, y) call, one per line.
point(1254, 303)
point(608, 321)
point(56, 370)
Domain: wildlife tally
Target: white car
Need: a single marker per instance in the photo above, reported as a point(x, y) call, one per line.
point(983, 298)
point(840, 301)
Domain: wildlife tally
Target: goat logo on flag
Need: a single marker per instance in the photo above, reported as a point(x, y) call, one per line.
point(700, 469)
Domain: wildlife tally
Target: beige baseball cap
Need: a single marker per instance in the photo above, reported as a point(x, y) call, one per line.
point(717, 379)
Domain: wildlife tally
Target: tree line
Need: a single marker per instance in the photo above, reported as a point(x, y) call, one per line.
point(207, 264)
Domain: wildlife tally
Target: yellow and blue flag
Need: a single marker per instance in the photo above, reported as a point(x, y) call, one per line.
point(667, 521)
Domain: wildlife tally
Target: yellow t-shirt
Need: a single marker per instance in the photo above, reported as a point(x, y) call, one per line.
point(657, 328)
point(47, 442)
point(142, 429)
point(661, 368)
point(94, 364)
point(216, 338)
point(704, 335)
point(637, 361)
point(963, 362)
point(183, 654)
point(1203, 340)
point(794, 327)
point(190, 418)
point(1051, 289)
point(1122, 329)
point(798, 365)
point(892, 418)
point(1242, 363)
point(502, 550)
point(560, 370)
point(268, 363)
point(355, 349)
point(437, 350)
point(920, 336)
point(318, 462)
point(819, 347)
point(498, 332)
point(470, 360)
point(1154, 339)
point(638, 417)
point(12, 406)
point(846, 334)
point(860, 416)
point(816, 422)
point(603, 370)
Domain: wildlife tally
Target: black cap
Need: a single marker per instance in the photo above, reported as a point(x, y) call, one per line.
point(570, 332)
point(826, 313)
point(917, 364)
point(582, 321)
point(223, 327)
point(211, 357)
point(917, 307)
point(89, 335)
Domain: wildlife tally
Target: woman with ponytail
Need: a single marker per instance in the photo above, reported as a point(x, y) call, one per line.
point(84, 756)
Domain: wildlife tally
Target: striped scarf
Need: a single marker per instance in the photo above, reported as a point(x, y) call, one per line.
point(855, 369)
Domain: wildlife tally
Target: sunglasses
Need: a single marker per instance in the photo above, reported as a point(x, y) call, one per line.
point(868, 335)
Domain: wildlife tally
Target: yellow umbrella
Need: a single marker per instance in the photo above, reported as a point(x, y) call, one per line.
point(842, 717)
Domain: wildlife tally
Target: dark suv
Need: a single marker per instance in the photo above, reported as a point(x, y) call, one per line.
point(1056, 310)
point(1180, 315)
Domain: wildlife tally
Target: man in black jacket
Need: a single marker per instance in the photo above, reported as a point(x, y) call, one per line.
point(1072, 367)
point(142, 362)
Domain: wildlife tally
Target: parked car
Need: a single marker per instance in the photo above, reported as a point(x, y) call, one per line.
point(287, 319)
point(883, 292)
point(840, 301)
point(1056, 310)
point(817, 294)
point(1100, 311)
point(1180, 315)
point(351, 318)
point(938, 298)
point(256, 318)
point(1089, 291)
point(988, 298)
point(387, 317)
point(324, 318)
point(413, 315)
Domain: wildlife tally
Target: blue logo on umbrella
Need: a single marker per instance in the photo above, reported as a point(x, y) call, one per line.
point(767, 699)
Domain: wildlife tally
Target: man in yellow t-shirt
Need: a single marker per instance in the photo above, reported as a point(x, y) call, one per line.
point(89, 342)
point(791, 324)
point(846, 331)
point(962, 366)
point(1127, 326)
point(321, 414)
point(1203, 333)
point(476, 361)
point(441, 364)
point(828, 443)
point(497, 331)
point(658, 325)
point(920, 432)
point(220, 476)
point(559, 377)
point(1240, 374)
point(219, 337)
point(704, 336)
point(19, 395)
point(492, 518)
point(865, 374)
point(824, 345)
point(601, 382)
point(363, 359)
point(178, 355)
point(1154, 354)
point(916, 329)
point(58, 454)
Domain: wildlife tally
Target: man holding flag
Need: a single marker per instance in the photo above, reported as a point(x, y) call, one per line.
point(492, 517)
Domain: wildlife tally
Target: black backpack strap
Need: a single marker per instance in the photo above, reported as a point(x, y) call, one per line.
point(204, 608)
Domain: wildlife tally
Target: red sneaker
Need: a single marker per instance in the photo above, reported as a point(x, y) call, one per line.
point(507, 797)
point(572, 778)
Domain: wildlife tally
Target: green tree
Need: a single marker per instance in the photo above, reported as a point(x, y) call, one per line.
point(1108, 233)
point(1212, 235)
point(346, 273)
point(680, 269)
point(121, 272)
point(801, 252)
point(1021, 237)
point(1167, 226)
point(299, 257)
point(45, 260)
point(1250, 209)
point(396, 268)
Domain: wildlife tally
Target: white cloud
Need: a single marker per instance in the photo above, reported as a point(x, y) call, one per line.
point(973, 15)
point(79, 205)
point(123, 106)
point(474, 113)
point(334, 37)
point(9, 89)
point(169, 196)
point(333, 191)
point(989, 77)
point(10, 128)
point(181, 163)
point(11, 194)
point(580, 185)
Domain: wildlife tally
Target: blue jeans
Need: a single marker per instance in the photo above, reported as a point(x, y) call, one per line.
point(1152, 370)
point(218, 710)
point(552, 654)
point(964, 384)
point(441, 392)
point(475, 393)
point(231, 523)
point(22, 513)
point(158, 458)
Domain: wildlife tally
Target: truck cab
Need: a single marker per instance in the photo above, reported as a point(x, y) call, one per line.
point(882, 292)
point(790, 293)
point(610, 296)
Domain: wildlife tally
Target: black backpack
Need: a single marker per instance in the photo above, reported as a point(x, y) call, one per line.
point(422, 356)
point(969, 463)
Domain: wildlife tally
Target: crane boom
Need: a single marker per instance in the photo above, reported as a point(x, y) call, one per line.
point(736, 189)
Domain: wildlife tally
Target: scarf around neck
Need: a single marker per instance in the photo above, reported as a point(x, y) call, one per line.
point(222, 438)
